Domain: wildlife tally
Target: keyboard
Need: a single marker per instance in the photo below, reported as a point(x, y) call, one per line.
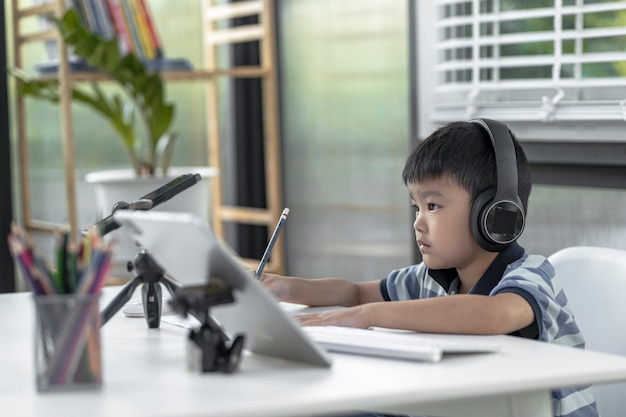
point(388, 344)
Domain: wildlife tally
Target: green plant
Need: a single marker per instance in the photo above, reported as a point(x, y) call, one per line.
point(144, 89)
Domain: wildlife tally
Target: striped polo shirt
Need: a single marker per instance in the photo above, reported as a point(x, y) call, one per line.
point(530, 276)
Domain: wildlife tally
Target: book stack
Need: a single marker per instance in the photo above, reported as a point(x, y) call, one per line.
point(131, 22)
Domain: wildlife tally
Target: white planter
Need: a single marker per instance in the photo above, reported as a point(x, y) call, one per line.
point(112, 186)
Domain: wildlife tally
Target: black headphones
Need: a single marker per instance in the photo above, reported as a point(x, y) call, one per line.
point(497, 216)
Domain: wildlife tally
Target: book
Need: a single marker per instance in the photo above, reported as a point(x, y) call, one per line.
point(78, 6)
point(103, 19)
point(88, 14)
point(125, 40)
point(142, 29)
point(132, 28)
point(154, 36)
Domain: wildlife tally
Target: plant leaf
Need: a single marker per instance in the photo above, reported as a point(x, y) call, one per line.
point(165, 151)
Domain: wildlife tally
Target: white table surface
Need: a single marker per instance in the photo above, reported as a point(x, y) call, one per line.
point(145, 375)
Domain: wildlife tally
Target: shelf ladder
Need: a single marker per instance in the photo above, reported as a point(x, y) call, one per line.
point(216, 35)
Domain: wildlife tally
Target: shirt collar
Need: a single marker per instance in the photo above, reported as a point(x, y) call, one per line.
point(490, 278)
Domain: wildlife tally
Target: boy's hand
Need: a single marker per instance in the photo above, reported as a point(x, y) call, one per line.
point(277, 285)
point(346, 317)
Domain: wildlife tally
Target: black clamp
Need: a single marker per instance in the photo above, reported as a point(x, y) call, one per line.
point(209, 348)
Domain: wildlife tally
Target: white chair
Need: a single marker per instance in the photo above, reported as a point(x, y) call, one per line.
point(594, 280)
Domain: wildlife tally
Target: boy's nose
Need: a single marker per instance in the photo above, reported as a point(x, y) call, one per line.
point(419, 223)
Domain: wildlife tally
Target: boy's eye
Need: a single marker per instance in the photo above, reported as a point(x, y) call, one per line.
point(431, 207)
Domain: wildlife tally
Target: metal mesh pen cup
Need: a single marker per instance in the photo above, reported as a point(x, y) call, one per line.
point(67, 342)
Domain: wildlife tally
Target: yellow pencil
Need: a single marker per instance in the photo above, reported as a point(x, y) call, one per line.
point(86, 255)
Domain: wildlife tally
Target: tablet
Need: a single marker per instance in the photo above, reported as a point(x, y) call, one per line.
point(185, 246)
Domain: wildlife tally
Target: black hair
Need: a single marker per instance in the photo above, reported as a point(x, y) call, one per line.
point(463, 151)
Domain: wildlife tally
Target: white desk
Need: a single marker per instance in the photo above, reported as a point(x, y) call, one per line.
point(145, 375)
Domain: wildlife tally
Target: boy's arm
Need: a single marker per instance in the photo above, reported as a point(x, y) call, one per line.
point(321, 291)
point(458, 314)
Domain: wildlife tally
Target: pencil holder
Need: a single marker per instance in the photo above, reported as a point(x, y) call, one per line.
point(67, 342)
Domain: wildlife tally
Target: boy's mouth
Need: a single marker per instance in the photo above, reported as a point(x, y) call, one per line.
point(422, 244)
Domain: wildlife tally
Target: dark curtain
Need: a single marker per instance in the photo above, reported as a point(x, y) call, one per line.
point(413, 67)
point(7, 278)
point(247, 125)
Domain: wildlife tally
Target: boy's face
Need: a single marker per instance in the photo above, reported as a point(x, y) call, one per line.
point(442, 228)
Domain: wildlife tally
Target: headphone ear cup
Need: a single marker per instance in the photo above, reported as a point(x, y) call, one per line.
point(496, 224)
point(477, 220)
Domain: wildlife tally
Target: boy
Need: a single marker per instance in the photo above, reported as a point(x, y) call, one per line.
point(474, 278)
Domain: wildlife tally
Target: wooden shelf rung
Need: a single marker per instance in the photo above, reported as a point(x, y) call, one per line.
point(38, 36)
point(233, 10)
point(235, 35)
point(43, 8)
point(246, 215)
point(46, 226)
point(252, 71)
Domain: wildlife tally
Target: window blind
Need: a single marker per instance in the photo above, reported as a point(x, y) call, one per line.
point(532, 60)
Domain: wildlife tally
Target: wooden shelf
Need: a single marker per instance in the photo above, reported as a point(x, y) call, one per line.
point(213, 37)
point(200, 75)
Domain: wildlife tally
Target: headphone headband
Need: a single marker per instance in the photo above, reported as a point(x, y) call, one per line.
point(506, 162)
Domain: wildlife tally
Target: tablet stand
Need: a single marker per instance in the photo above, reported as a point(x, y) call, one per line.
point(209, 348)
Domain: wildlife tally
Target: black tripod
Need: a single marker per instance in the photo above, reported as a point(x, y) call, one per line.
point(148, 273)
point(146, 270)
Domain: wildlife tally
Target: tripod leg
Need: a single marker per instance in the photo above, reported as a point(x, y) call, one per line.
point(118, 302)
